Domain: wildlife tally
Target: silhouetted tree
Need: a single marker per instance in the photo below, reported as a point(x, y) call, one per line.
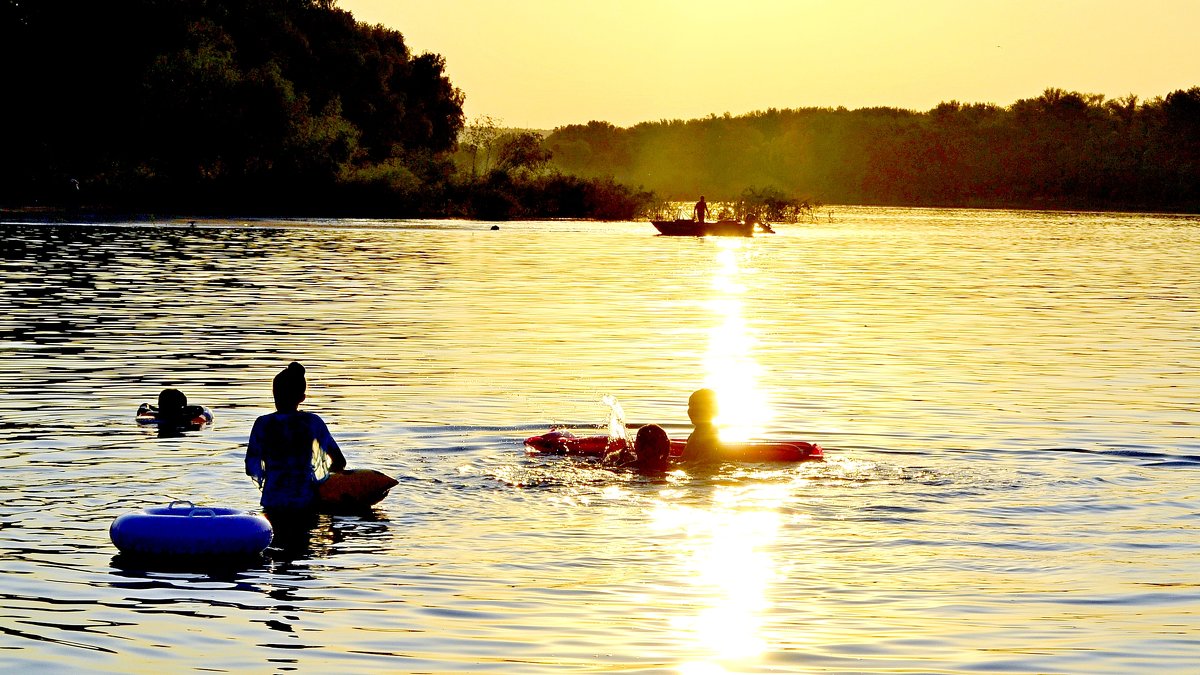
point(207, 100)
point(522, 151)
point(1061, 148)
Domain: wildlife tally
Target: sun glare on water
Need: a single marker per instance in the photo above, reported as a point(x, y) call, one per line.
point(726, 552)
point(730, 368)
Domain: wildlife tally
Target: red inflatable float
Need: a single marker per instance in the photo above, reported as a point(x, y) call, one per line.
point(558, 442)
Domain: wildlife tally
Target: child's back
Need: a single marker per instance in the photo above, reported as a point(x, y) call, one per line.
point(291, 451)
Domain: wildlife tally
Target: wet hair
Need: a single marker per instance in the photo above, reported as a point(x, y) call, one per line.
point(652, 445)
point(289, 386)
point(171, 402)
point(702, 406)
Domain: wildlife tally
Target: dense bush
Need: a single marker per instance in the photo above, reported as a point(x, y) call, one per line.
point(503, 196)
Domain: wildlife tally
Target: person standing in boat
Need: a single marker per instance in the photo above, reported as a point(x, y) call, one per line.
point(290, 451)
point(701, 209)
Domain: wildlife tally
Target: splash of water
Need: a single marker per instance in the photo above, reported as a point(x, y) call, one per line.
point(616, 419)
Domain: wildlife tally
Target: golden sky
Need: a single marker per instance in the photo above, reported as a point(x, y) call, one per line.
point(546, 63)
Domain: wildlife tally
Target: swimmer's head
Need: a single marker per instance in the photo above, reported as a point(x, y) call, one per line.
point(171, 403)
point(702, 406)
point(652, 446)
point(288, 387)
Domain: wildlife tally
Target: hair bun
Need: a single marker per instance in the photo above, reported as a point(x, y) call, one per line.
point(295, 368)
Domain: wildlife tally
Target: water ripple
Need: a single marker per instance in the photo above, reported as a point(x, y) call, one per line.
point(1006, 400)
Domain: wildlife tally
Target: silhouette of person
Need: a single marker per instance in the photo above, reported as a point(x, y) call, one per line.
point(652, 446)
point(701, 209)
point(290, 451)
point(651, 451)
point(704, 442)
point(173, 414)
point(172, 406)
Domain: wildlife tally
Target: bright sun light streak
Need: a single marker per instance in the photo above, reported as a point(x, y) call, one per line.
point(727, 556)
point(730, 369)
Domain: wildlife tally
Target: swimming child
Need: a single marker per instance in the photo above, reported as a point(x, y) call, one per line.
point(290, 451)
point(653, 449)
point(651, 452)
point(703, 444)
point(173, 412)
point(171, 405)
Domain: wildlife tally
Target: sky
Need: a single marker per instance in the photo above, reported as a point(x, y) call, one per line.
point(541, 64)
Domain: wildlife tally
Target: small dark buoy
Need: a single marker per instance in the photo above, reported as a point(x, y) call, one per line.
point(495, 227)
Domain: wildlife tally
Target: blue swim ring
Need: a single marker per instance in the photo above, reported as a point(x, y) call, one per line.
point(182, 529)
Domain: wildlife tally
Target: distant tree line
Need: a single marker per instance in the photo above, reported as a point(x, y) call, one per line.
point(242, 106)
point(1061, 149)
point(293, 107)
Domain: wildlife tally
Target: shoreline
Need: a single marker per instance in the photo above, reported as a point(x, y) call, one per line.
point(52, 215)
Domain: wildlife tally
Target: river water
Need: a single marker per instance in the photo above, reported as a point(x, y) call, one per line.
point(1008, 402)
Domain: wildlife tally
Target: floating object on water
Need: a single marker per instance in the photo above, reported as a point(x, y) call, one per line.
point(558, 442)
point(183, 530)
point(194, 418)
point(353, 489)
point(720, 228)
point(792, 451)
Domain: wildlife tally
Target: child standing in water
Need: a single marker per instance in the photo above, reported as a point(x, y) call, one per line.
point(290, 451)
point(703, 444)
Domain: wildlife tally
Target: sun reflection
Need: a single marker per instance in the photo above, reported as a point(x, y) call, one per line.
point(730, 369)
point(728, 558)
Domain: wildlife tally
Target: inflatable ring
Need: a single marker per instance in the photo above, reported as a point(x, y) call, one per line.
point(182, 529)
point(197, 418)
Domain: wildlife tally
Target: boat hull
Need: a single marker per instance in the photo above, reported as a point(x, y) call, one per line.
point(691, 228)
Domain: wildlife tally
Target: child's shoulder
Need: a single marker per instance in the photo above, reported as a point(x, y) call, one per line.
point(282, 416)
point(311, 420)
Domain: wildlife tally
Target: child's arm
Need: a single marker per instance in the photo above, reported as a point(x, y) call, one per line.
point(338, 459)
point(254, 455)
point(325, 439)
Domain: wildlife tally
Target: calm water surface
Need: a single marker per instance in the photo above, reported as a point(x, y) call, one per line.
point(1008, 401)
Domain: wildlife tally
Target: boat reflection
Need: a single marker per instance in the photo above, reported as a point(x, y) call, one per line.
point(726, 553)
point(730, 368)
